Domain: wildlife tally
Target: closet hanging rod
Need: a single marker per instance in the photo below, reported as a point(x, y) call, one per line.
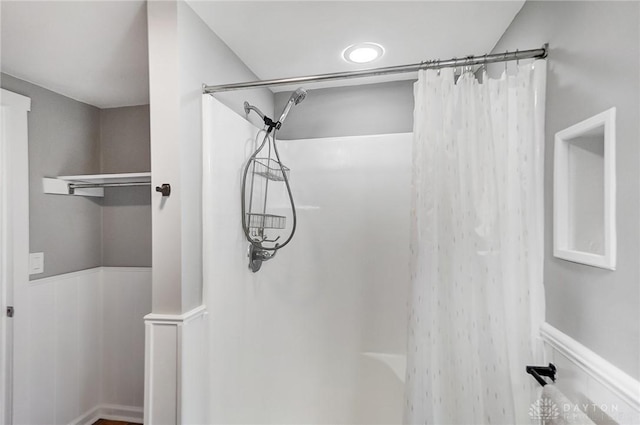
point(94, 185)
point(540, 53)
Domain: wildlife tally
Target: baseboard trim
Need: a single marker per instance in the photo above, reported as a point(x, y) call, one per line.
point(112, 412)
point(115, 412)
point(615, 380)
point(86, 418)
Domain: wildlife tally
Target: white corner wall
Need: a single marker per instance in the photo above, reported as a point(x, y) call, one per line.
point(82, 353)
point(203, 59)
point(184, 54)
point(176, 368)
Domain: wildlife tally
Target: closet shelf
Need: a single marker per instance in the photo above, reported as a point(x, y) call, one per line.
point(92, 184)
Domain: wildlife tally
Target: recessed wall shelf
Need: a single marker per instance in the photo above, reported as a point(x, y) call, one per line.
point(92, 184)
point(584, 187)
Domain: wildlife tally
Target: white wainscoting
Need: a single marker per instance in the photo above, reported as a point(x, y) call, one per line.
point(607, 394)
point(126, 299)
point(84, 348)
point(176, 375)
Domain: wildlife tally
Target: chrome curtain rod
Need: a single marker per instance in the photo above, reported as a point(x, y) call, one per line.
point(540, 53)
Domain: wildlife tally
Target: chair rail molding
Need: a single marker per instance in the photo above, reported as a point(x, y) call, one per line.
point(617, 382)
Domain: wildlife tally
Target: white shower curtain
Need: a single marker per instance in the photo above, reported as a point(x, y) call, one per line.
point(477, 247)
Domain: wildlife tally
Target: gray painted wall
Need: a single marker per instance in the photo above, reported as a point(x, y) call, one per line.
point(64, 138)
point(593, 65)
point(381, 108)
point(70, 137)
point(126, 213)
point(124, 140)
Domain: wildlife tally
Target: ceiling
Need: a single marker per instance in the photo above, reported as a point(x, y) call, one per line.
point(279, 39)
point(91, 51)
point(96, 51)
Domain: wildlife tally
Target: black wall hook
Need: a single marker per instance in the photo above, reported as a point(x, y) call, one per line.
point(165, 189)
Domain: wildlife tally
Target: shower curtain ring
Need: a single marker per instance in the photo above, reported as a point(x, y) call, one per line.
point(439, 65)
point(469, 67)
point(505, 61)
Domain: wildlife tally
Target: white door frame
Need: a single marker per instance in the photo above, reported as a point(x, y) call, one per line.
point(14, 228)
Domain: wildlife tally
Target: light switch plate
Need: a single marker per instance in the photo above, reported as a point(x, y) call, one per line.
point(36, 262)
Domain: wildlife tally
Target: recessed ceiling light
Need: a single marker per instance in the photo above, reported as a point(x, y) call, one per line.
point(362, 52)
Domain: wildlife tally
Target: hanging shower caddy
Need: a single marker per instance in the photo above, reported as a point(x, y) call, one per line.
point(263, 169)
point(257, 220)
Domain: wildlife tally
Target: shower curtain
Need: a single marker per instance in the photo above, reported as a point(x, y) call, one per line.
point(476, 248)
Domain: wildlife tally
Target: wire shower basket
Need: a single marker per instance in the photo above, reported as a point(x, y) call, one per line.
point(270, 169)
point(266, 221)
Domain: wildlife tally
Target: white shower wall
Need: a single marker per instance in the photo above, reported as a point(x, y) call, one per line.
point(318, 335)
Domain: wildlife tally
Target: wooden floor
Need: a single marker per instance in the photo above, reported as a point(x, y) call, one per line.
point(106, 422)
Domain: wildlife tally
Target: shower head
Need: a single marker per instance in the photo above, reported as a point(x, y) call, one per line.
point(296, 97)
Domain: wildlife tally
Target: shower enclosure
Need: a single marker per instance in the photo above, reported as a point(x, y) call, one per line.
point(319, 334)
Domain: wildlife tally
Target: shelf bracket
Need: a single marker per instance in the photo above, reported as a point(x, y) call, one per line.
point(63, 187)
